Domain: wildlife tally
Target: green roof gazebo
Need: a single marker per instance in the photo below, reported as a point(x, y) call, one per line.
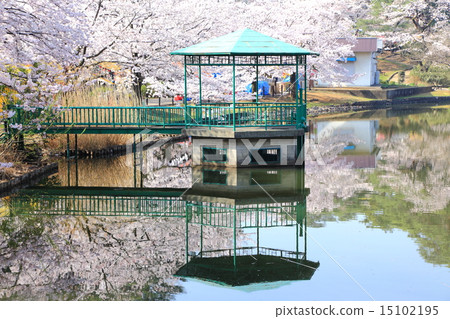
point(245, 48)
point(243, 204)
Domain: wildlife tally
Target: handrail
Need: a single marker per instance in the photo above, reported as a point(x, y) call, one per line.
point(246, 114)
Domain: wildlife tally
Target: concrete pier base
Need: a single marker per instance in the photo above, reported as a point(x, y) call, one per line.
point(247, 147)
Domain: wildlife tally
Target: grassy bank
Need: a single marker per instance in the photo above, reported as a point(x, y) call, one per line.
point(324, 98)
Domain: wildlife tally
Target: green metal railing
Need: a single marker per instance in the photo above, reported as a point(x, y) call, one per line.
point(247, 216)
point(252, 251)
point(98, 205)
point(248, 114)
point(123, 116)
point(203, 213)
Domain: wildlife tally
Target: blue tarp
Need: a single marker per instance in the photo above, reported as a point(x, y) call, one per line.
point(263, 88)
point(348, 59)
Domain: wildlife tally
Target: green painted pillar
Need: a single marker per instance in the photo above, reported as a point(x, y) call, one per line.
point(234, 240)
point(296, 239)
point(257, 80)
point(305, 229)
point(68, 146)
point(187, 232)
point(257, 232)
point(201, 231)
point(234, 94)
point(185, 93)
point(296, 82)
point(304, 108)
point(134, 160)
point(200, 84)
point(76, 146)
point(297, 109)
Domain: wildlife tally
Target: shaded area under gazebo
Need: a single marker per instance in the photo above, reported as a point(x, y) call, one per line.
point(255, 265)
point(245, 48)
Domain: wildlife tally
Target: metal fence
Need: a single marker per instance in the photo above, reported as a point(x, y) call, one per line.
point(206, 115)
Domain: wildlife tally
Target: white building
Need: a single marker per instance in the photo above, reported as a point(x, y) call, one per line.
point(362, 65)
point(364, 153)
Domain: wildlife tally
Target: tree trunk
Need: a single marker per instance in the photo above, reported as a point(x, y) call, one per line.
point(138, 80)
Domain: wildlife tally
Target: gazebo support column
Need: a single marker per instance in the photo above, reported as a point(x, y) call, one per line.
point(304, 95)
point(234, 94)
point(257, 81)
point(186, 116)
point(200, 85)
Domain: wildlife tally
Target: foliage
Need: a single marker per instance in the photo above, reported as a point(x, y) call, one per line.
point(438, 75)
point(39, 39)
point(48, 45)
point(140, 35)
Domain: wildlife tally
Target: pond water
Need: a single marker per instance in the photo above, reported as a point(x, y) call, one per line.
point(367, 218)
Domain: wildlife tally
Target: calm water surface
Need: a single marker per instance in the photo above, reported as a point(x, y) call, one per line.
point(368, 217)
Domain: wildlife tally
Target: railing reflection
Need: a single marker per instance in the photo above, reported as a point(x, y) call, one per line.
point(240, 203)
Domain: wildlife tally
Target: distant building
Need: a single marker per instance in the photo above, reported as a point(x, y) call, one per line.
point(363, 63)
point(363, 154)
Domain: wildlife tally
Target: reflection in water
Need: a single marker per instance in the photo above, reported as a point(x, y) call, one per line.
point(362, 153)
point(410, 153)
point(100, 229)
point(153, 167)
point(127, 243)
point(415, 159)
point(235, 198)
point(410, 188)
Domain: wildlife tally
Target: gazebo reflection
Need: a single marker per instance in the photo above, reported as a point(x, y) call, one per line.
point(248, 199)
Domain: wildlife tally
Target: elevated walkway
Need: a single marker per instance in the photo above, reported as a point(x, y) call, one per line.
point(166, 119)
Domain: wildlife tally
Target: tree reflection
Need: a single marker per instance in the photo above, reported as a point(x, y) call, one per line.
point(94, 258)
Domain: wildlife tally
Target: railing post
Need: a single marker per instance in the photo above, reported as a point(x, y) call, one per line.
point(265, 116)
point(209, 116)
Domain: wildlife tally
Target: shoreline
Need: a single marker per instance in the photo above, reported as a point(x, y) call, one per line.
point(37, 174)
point(374, 105)
point(27, 179)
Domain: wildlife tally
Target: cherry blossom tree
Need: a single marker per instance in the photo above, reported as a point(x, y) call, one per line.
point(419, 28)
point(39, 40)
point(141, 34)
point(53, 36)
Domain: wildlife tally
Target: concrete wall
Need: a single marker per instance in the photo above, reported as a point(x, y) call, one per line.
point(238, 151)
point(241, 179)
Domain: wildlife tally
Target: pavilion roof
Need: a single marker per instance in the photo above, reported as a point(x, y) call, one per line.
point(244, 42)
